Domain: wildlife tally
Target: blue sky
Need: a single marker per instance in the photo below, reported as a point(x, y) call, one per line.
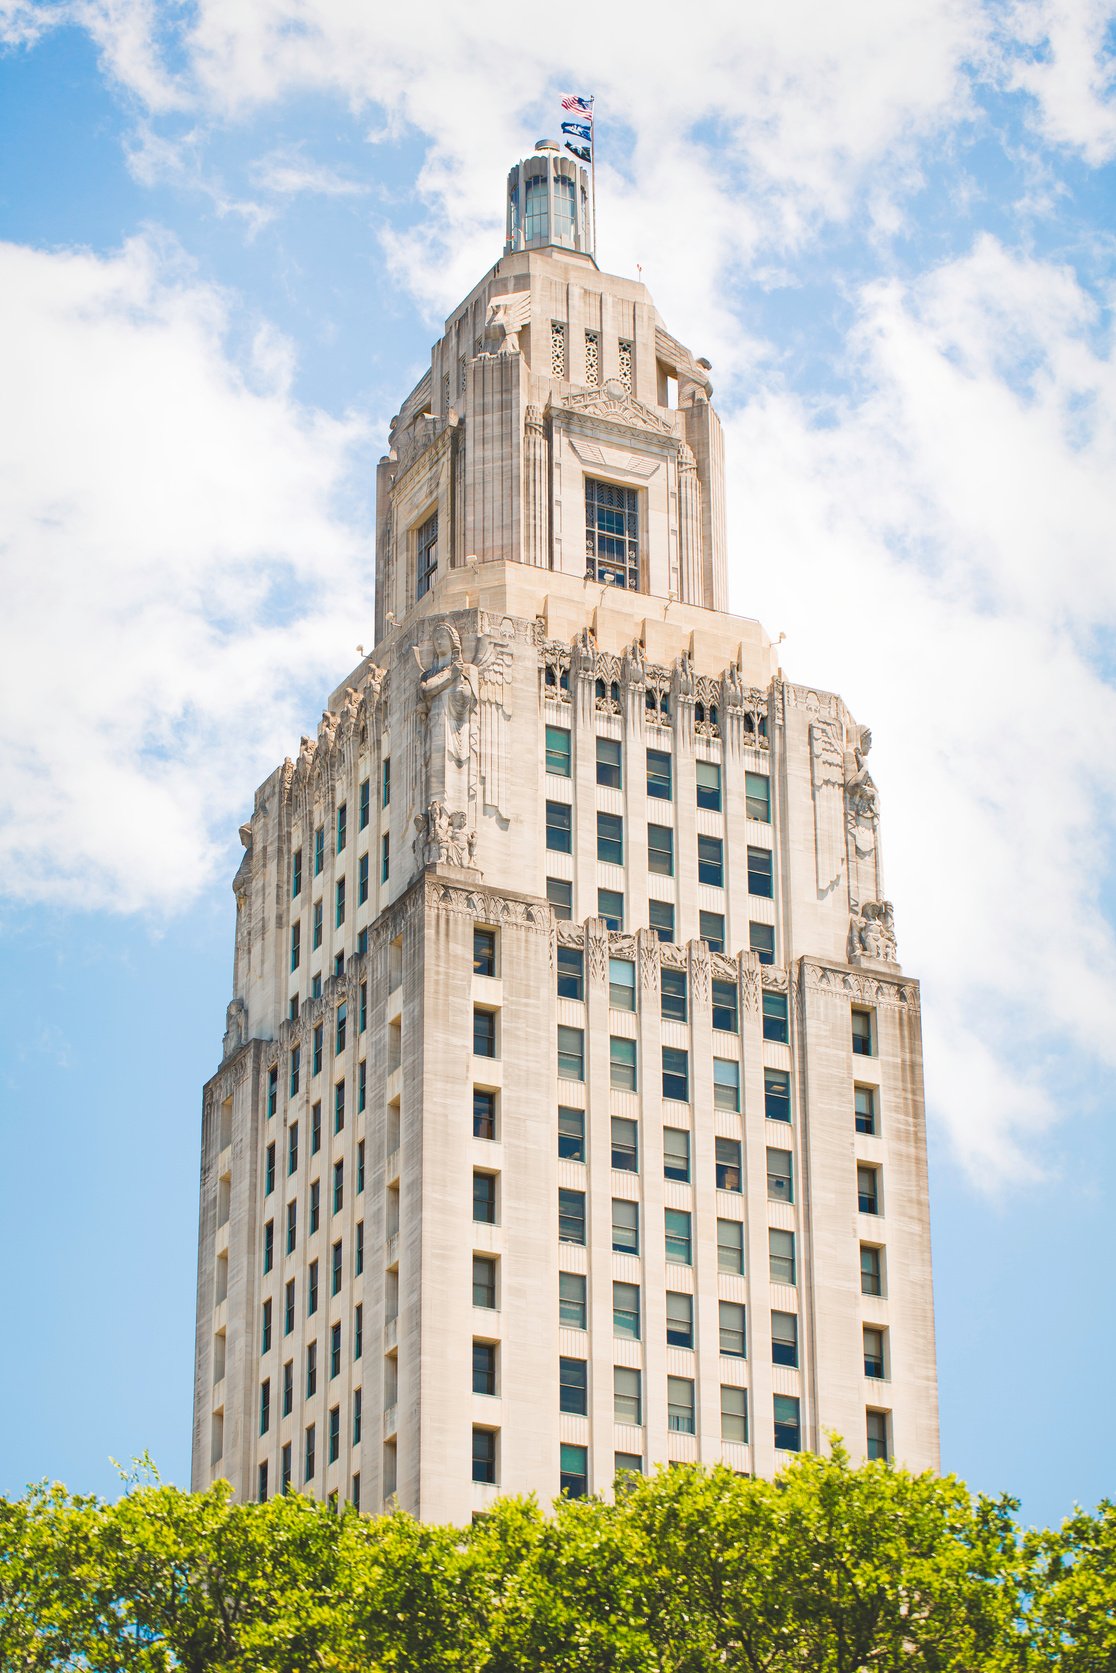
point(230, 232)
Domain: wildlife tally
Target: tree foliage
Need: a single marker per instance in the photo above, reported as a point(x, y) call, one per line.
point(828, 1569)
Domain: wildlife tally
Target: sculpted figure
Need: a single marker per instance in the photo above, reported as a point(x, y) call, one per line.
point(632, 668)
point(447, 692)
point(583, 655)
point(860, 790)
point(462, 712)
point(236, 1027)
point(733, 686)
point(443, 838)
point(872, 933)
point(507, 315)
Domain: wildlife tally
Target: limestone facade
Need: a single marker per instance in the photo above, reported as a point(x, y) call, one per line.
point(570, 1115)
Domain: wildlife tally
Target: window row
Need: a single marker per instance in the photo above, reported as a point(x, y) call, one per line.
point(660, 849)
point(286, 1394)
point(660, 774)
point(573, 1290)
point(315, 1147)
point(678, 1235)
point(681, 1420)
point(289, 1322)
point(336, 1252)
point(317, 1047)
point(675, 1060)
point(625, 1156)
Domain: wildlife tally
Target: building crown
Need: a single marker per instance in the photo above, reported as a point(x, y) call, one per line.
point(548, 203)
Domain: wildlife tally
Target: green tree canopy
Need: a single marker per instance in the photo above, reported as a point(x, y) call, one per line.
point(828, 1569)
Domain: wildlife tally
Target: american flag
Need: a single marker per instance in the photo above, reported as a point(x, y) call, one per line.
point(579, 106)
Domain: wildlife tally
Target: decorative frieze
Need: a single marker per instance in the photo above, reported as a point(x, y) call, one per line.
point(859, 985)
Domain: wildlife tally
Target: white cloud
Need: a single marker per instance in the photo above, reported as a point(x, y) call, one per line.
point(180, 565)
point(126, 32)
point(1062, 53)
point(288, 173)
point(810, 108)
point(800, 101)
point(939, 550)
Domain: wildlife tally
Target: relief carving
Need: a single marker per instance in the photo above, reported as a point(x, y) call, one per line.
point(860, 986)
point(699, 972)
point(462, 750)
point(596, 945)
point(507, 316)
point(827, 776)
point(872, 932)
point(649, 962)
point(443, 837)
point(613, 402)
point(862, 813)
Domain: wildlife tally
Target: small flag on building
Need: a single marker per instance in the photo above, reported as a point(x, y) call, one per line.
point(577, 126)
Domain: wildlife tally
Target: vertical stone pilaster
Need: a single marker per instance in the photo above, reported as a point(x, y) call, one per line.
point(536, 490)
point(689, 527)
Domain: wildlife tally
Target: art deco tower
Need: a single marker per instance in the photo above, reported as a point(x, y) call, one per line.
point(570, 1114)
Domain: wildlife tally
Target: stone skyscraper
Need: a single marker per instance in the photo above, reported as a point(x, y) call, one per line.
point(571, 1113)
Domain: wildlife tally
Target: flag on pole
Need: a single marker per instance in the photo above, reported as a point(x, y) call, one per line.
point(577, 126)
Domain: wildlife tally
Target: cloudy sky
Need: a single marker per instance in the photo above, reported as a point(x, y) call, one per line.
point(231, 230)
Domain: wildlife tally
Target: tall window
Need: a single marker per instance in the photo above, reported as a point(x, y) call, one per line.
point(484, 1281)
point(672, 995)
point(660, 850)
point(784, 1339)
point(680, 1405)
point(877, 1435)
point(612, 534)
point(776, 1095)
point(484, 1440)
point(573, 1478)
point(679, 1236)
point(660, 915)
point(484, 1368)
point(558, 751)
point(484, 1114)
point(621, 984)
point(573, 1386)
point(610, 907)
point(625, 1226)
point(536, 218)
point(659, 783)
point(563, 207)
point(571, 1133)
point(627, 1400)
point(788, 1426)
point(610, 765)
point(426, 556)
point(730, 1246)
point(573, 1306)
point(679, 1319)
point(625, 1310)
point(610, 838)
point(676, 1154)
point(571, 1216)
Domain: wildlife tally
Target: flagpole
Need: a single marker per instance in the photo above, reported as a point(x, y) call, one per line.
point(593, 175)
